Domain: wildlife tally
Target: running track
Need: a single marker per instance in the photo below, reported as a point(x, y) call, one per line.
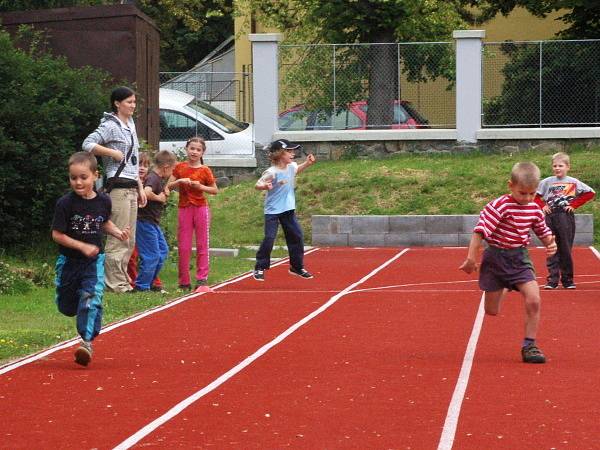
point(384, 348)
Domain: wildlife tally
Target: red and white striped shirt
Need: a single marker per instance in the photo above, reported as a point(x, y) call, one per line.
point(504, 223)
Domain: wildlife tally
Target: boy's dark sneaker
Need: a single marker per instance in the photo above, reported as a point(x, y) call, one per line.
point(532, 354)
point(551, 286)
point(185, 287)
point(569, 286)
point(300, 272)
point(159, 288)
point(259, 275)
point(136, 290)
point(83, 354)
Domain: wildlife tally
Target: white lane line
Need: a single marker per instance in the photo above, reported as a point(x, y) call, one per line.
point(178, 408)
point(451, 422)
point(66, 344)
point(594, 251)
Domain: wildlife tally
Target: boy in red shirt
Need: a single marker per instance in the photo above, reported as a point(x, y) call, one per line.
point(504, 224)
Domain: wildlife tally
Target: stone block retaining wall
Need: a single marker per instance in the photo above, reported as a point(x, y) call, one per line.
point(397, 231)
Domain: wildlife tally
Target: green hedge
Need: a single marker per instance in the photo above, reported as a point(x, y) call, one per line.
point(46, 111)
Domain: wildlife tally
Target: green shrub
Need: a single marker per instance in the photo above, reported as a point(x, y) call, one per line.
point(41, 275)
point(11, 281)
point(47, 109)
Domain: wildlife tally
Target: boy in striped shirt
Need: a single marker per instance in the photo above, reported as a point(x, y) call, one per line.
point(504, 224)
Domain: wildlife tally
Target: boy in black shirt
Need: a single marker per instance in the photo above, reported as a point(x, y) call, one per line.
point(80, 218)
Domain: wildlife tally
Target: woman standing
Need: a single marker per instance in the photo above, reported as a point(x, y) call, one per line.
point(115, 140)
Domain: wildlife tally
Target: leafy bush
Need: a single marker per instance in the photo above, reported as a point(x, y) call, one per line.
point(11, 281)
point(47, 109)
point(41, 275)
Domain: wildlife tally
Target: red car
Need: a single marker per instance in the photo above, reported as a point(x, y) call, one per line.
point(354, 117)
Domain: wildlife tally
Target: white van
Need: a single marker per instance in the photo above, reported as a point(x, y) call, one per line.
point(229, 142)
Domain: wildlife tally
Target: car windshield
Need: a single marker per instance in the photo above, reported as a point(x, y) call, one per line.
point(218, 118)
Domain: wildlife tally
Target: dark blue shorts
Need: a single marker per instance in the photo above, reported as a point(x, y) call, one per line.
point(505, 268)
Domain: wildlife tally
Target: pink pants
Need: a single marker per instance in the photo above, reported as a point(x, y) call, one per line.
point(193, 219)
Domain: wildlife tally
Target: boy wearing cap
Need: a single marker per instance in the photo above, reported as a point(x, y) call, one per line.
point(279, 181)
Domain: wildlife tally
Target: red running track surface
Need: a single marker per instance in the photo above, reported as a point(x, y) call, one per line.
point(365, 355)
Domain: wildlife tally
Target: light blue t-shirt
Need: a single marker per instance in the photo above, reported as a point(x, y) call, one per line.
point(282, 197)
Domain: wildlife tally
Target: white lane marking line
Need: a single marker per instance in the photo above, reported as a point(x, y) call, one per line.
point(594, 251)
point(178, 408)
point(66, 344)
point(451, 422)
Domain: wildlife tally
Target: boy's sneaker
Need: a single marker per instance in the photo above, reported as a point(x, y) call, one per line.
point(569, 286)
point(83, 354)
point(185, 287)
point(300, 272)
point(551, 286)
point(259, 275)
point(532, 354)
point(159, 288)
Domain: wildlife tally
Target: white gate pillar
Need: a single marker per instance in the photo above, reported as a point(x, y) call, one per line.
point(469, 44)
point(265, 84)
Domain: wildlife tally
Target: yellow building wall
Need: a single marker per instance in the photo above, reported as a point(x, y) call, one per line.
point(520, 25)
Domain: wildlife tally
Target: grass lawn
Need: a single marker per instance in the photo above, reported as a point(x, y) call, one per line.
point(405, 184)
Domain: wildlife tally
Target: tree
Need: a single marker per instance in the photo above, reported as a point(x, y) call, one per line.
point(563, 89)
point(375, 74)
point(190, 29)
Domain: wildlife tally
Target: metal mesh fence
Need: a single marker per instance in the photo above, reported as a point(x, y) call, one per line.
point(541, 83)
point(367, 86)
point(228, 91)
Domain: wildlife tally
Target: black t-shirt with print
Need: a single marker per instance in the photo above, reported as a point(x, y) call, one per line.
point(81, 219)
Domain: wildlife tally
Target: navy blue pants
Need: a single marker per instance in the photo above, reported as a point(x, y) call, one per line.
point(79, 291)
point(293, 238)
point(560, 264)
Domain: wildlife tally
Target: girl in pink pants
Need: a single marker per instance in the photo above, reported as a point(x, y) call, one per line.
point(192, 179)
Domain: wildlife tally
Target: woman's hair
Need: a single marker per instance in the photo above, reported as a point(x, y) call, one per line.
point(84, 158)
point(118, 95)
point(200, 141)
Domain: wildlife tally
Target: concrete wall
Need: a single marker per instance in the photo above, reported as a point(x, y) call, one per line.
point(379, 144)
point(396, 231)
